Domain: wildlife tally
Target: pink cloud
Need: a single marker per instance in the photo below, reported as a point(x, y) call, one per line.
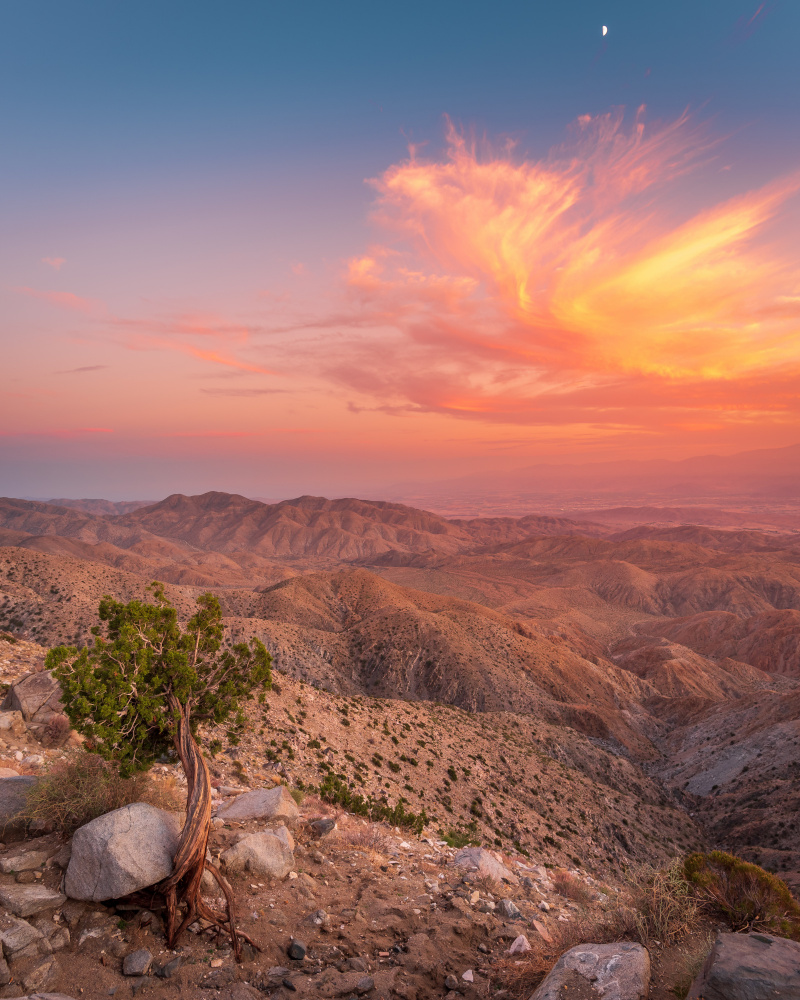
point(66, 300)
point(55, 262)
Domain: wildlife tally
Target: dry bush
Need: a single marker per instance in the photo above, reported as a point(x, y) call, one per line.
point(487, 885)
point(74, 791)
point(571, 887)
point(663, 903)
point(369, 837)
point(746, 894)
point(688, 962)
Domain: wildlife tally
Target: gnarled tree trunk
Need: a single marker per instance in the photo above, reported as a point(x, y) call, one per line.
point(182, 887)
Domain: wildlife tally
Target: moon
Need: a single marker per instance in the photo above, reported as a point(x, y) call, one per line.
point(605, 29)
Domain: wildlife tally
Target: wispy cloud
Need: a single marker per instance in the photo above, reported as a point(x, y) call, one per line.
point(84, 368)
point(65, 300)
point(242, 392)
point(55, 262)
point(566, 289)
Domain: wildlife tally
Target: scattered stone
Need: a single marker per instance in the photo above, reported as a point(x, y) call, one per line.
point(11, 722)
point(263, 803)
point(168, 970)
point(509, 909)
point(263, 853)
point(297, 950)
point(621, 970)
point(450, 982)
point(519, 945)
point(544, 906)
point(21, 859)
point(480, 860)
point(137, 963)
point(21, 940)
point(749, 967)
point(36, 974)
point(244, 991)
point(468, 976)
point(542, 931)
point(121, 852)
point(321, 827)
point(25, 900)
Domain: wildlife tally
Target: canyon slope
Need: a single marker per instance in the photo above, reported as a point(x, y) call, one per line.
point(674, 647)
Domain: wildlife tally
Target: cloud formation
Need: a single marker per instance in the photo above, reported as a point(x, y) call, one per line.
point(575, 288)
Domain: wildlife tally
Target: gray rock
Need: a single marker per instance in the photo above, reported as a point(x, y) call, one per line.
point(137, 963)
point(21, 859)
point(37, 697)
point(509, 909)
point(478, 859)
point(620, 970)
point(25, 900)
point(21, 940)
point(13, 798)
point(121, 852)
point(749, 967)
point(244, 991)
point(321, 827)
point(259, 854)
point(168, 970)
point(262, 803)
point(5, 973)
point(297, 949)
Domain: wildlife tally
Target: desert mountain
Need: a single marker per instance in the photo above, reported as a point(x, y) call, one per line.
point(671, 645)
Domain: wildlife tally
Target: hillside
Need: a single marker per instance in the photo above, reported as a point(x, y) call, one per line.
point(671, 647)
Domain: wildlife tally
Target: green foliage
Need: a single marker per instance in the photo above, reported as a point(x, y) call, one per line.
point(746, 894)
point(126, 691)
point(463, 836)
point(336, 791)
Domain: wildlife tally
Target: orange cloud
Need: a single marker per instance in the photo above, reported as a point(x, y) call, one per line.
point(570, 288)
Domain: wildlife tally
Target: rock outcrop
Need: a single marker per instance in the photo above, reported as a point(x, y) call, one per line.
point(620, 970)
point(749, 967)
point(268, 804)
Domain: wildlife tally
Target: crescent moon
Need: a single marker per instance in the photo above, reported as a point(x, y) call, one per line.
point(605, 29)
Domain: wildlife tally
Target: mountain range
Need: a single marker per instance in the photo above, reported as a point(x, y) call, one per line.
point(673, 646)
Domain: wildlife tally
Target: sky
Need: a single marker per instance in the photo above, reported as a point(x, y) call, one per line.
point(324, 248)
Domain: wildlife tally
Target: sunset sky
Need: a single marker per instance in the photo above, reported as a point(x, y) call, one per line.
point(313, 247)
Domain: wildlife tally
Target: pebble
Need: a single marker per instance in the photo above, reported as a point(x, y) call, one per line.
point(468, 976)
point(544, 907)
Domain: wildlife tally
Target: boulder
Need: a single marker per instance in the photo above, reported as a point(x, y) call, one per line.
point(121, 852)
point(264, 804)
point(620, 970)
point(25, 900)
point(37, 697)
point(478, 859)
point(263, 853)
point(749, 967)
point(13, 796)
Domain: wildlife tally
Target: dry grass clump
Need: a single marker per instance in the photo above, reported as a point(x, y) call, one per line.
point(74, 791)
point(663, 903)
point(747, 895)
point(571, 887)
point(371, 838)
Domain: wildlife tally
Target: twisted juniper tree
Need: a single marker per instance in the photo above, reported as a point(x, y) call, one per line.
point(141, 688)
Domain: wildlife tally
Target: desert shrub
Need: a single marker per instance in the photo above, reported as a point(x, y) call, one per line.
point(75, 791)
point(371, 837)
point(746, 894)
point(335, 790)
point(297, 794)
point(663, 902)
point(571, 887)
point(462, 836)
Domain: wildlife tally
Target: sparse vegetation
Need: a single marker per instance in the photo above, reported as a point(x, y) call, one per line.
point(77, 790)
